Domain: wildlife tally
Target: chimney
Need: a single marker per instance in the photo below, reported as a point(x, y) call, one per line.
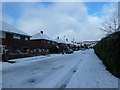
point(41, 32)
point(57, 37)
point(66, 39)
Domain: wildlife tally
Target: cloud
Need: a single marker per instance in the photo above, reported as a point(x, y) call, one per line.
point(59, 19)
point(108, 10)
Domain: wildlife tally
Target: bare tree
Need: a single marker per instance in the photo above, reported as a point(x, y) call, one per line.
point(111, 24)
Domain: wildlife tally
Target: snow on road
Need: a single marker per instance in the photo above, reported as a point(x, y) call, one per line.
point(78, 70)
point(39, 73)
point(91, 73)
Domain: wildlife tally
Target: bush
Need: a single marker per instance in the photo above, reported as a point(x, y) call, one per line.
point(108, 50)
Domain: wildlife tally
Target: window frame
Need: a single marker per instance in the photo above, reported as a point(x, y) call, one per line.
point(16, 36)
point(2, 34)
point(26, 38)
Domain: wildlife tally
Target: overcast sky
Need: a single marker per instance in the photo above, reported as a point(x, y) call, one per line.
point(80, 20)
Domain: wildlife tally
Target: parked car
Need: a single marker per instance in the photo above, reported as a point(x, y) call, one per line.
point(69, 51)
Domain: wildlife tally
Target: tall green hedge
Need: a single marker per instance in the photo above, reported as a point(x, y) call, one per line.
point(108, 50)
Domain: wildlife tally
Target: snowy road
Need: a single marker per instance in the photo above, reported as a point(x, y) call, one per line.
point(58, 71)
point(41, 73)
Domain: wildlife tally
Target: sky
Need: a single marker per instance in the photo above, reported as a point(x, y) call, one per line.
point(78, 20)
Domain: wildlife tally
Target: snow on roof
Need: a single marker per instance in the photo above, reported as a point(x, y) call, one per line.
point(68, 42)
point(2, 45)
point(76, 44)
point(11, 29)
point(58, 40)
point(41, 36)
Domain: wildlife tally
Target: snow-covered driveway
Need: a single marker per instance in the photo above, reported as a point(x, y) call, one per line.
point(58, 71)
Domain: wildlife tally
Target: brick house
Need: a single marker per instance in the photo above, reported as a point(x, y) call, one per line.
point(40, 42)
point(13, 40)
point(61, 44)
point(69, 44)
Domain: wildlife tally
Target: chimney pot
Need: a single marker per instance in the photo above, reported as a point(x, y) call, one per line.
point(41, 32)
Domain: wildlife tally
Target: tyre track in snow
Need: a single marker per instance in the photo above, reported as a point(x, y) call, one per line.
point(59, 77)
point(71, 72)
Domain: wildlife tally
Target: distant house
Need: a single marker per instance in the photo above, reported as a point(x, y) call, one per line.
point(41, 42)
point(69, 44)
point(61, 44)
point(76, 46)
point(13, 40)
point(88, 43)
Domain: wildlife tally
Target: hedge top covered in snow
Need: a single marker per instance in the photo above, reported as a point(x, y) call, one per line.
point(5, 27)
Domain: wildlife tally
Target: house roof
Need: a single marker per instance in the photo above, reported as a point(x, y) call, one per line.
point(11, 29)
point(76, 44)
point(58, 40)
point(68, 42)
point(41, 36)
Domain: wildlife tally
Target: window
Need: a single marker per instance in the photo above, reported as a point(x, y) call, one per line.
point(26, 38)
point(16, 36)
point(53, 43)
point(40, 50)
point(0, 50)
point(49, 42)
point(28, 50)
point(35, 50)
point(2, 34)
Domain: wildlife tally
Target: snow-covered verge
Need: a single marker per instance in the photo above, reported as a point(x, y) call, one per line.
point(83, 69)
point(92, 73)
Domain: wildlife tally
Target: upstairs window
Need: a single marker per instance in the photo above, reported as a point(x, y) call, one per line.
point(2, 34)
point(53, 43)
point(15, 36)
point(2, 49)
point(48, 42)
point(26, 38)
